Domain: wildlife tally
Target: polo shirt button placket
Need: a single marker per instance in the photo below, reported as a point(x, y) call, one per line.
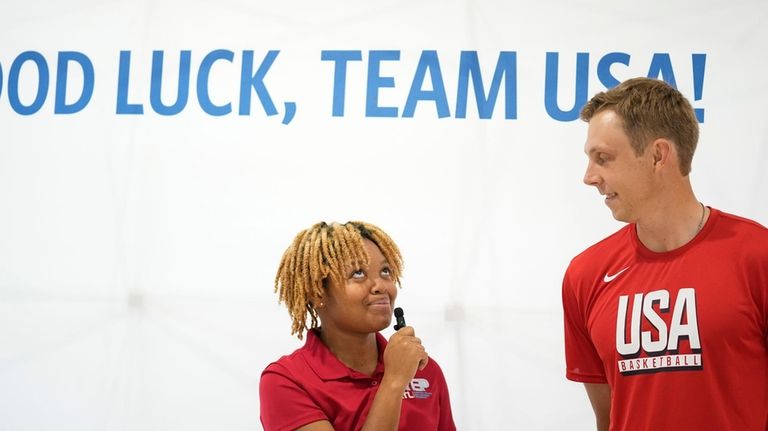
point(374, 383)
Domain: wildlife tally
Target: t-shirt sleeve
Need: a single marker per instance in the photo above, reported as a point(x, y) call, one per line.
point(582, 362)
point(284, 404)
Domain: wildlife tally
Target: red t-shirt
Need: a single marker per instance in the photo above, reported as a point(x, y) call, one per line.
point(681, 337)
point(311, 384)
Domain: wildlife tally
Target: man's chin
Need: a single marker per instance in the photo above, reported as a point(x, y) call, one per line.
point(620, 216)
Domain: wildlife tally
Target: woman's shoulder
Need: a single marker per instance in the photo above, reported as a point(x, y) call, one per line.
point(285, 363)
point(291, 361)
point(432, 370)
point(305, 359)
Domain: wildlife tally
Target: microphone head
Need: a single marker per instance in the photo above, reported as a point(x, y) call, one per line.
point(398, 312)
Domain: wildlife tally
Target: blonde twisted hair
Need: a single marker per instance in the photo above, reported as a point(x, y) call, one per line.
point(324, 254)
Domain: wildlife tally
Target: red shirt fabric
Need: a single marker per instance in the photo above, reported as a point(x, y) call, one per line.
point(311, 384)
point(681, 337)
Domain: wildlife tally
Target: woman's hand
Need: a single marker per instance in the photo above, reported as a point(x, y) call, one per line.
point(403, 356)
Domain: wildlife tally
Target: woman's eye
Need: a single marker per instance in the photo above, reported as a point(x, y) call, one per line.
point(358, 274)
point(386, 272)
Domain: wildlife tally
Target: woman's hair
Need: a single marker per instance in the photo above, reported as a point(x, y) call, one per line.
point(322, 256)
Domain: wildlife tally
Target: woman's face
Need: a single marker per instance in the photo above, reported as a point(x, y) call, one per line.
point(364, 303)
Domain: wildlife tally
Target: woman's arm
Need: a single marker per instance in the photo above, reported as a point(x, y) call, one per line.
point(403, 356)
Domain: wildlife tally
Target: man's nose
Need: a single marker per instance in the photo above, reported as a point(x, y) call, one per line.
point(591, 178)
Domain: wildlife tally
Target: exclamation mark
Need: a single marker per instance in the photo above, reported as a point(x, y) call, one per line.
point(699, 61)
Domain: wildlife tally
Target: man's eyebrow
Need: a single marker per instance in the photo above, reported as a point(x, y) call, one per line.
point(594, 149)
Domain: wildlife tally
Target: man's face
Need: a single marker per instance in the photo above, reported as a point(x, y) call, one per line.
point(626, 180)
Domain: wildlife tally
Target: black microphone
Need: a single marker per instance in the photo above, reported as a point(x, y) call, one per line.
point(400, 319)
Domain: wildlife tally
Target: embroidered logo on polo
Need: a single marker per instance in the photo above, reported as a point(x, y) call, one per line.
point(652, 338)
point(417, 388)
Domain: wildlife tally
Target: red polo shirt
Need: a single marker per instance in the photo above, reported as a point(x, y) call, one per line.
point(311, 384)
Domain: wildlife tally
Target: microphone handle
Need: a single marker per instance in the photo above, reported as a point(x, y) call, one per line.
point(400, 320)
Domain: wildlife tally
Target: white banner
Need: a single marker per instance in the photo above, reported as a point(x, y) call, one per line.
point(156, 159)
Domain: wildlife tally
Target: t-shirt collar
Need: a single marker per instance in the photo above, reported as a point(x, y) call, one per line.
point(642, 250)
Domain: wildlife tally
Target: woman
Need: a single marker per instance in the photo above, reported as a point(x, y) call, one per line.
point(347, 376)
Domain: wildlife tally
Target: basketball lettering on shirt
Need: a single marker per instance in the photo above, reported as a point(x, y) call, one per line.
point(655, 335)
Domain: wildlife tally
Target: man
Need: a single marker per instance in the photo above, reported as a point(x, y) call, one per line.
point(666, 320)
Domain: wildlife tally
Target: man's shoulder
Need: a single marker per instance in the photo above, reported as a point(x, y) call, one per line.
point(608, 255)
point(745, 236)
point(745, 225)
point(607, 246)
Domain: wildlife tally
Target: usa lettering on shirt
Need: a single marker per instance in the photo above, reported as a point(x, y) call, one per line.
point(657, 350)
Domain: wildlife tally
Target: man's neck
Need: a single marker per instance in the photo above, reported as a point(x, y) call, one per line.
point(672, 223)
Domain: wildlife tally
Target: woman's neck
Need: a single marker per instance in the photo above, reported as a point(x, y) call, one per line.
point(357, 351)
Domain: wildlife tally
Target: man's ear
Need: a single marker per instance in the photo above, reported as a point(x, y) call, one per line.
point(661, 151)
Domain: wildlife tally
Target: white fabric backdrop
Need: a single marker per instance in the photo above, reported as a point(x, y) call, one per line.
point(137, 252)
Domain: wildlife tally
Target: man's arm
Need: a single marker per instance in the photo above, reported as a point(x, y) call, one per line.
point(600, 397)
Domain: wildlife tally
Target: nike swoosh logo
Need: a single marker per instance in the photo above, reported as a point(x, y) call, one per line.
point(609, 278)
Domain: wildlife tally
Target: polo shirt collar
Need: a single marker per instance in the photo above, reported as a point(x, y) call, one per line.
point(329, 367)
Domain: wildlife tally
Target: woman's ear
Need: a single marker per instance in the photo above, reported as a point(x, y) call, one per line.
point(317, 301)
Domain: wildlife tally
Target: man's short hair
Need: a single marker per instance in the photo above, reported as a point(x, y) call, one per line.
point(650, 109)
